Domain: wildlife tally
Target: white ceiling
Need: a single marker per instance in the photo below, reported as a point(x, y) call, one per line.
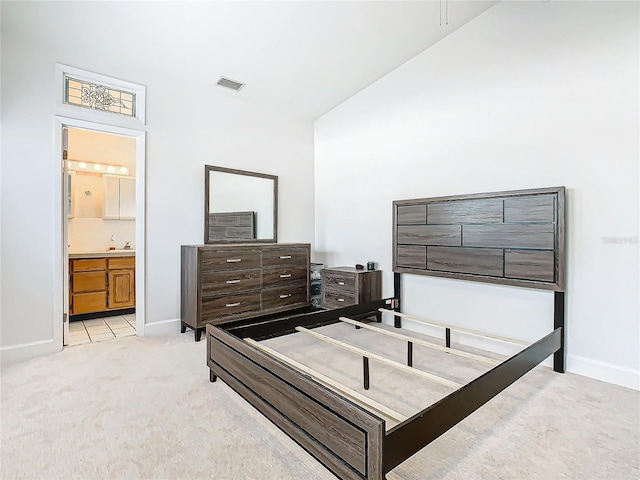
point(304, 57)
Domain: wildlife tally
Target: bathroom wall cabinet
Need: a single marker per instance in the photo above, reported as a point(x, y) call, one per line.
point(119, 198)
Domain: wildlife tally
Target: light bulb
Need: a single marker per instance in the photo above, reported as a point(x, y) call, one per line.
point(110, 169)
point(97, 166)
point(82, 165)
point(123, 169)
point(69, 164)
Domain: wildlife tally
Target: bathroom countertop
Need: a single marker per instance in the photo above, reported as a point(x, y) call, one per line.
point(104, 253)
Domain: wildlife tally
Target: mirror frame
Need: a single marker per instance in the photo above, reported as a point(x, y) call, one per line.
point(207, 171)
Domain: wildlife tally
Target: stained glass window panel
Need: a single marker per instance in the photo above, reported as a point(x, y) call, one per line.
point(99, 97)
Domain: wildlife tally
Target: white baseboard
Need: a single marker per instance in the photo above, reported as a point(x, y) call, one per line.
point(164, 327)
point(24, 351)
point(606, 372)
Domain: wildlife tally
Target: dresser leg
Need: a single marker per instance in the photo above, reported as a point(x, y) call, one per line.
point(183, 327)
point(212, 377)
point(198, 333)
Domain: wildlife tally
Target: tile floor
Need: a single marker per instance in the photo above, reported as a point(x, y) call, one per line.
point(100, 329)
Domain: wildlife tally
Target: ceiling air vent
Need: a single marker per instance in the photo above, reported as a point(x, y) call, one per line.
point(232, 84)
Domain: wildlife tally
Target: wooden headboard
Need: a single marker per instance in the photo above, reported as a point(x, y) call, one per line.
point(512, 238)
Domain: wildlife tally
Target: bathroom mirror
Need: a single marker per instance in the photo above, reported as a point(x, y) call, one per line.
point(240, 206)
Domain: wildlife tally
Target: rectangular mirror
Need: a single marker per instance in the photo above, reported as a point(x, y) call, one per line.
point(240, 206)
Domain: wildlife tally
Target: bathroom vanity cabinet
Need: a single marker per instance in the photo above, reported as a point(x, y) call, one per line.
point(101, 283)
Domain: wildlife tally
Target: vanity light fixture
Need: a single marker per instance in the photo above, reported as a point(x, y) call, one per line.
point(78, 166)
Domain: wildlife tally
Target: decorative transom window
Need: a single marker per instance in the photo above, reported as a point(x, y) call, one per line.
point(98, 97)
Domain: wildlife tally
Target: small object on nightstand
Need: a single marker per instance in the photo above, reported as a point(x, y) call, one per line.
point(371, 265)
point(359, 267)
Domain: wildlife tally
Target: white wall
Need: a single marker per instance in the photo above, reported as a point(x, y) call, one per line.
point(185, 131)
point(530, 94)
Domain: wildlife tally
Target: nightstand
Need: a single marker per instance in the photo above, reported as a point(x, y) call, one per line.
point(344, 286)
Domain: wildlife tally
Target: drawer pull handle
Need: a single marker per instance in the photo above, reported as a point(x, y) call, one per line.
point(284, 257)
point(286, 295)
point(341, 299)
point(234, 260)
point(340, 283)
point(234, 281)
point(232, 304)
point(286, 275)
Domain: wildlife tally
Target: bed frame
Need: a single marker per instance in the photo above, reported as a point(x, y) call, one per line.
point(349, 439)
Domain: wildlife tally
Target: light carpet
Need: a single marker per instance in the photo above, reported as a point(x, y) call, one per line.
point(143, 408)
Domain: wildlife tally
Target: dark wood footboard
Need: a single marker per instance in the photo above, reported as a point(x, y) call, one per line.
point(344, 437)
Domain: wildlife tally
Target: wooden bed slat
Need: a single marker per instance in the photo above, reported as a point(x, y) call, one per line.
point(457, 329)
point(328, 382)
point(365, 353)
point(424, 343)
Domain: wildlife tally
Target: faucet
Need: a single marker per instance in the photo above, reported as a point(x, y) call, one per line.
point(127, 245)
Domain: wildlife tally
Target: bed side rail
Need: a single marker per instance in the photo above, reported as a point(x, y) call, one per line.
point(410, 436)
point(343, 436)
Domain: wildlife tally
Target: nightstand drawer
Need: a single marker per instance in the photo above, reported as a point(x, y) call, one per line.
point(340, 281)
point(336, 299)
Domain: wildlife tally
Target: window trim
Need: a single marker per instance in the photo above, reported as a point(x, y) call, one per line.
point(137, 120)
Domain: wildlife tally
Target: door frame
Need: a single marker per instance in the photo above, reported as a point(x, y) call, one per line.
point(61, 252)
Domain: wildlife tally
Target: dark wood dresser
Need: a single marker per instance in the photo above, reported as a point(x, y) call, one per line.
point(343, 286)
point(220, 283)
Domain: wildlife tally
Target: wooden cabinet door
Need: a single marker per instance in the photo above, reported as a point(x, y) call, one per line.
point(122, 292)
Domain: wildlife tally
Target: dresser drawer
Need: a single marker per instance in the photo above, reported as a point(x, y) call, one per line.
point(272, 277)
point(89, 302)
point(227, 281)
point(337, 299)
point(88, 281)
point(88, 264)
point(343, 282)
point(273, 298)
point(284, 256)
point(212, 260)
point(218, 309)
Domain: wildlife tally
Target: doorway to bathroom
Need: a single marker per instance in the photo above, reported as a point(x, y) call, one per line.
point(101, 217)
point(103, 232)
